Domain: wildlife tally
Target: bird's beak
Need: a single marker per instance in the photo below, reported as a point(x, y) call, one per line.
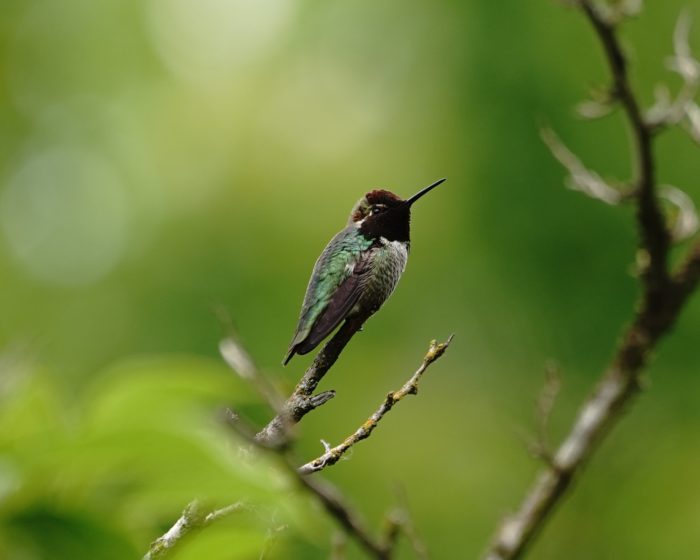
point(421, 192)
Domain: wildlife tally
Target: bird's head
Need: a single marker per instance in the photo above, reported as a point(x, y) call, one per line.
point(381, 213)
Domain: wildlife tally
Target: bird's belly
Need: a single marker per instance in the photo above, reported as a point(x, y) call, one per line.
point(388, 264)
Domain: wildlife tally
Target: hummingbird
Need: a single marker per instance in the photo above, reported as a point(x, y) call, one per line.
point(359, 268)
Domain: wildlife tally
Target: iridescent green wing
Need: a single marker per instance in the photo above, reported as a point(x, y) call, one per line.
point(333, 289)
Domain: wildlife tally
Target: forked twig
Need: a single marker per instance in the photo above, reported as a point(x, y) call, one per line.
point(333, 454)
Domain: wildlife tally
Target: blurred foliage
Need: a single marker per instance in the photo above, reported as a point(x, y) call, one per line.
point(108, 471)
point(162, 158)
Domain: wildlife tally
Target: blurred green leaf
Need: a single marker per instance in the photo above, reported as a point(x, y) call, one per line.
point(117, 467)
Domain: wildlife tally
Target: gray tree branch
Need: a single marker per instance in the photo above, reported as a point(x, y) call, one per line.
point(663, 296)
point(333, 455)
point(330, 498)
point(302, 400)
point(192, 519)
point(278, 439)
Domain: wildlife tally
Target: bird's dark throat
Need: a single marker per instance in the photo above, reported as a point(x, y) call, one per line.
point(393, 224)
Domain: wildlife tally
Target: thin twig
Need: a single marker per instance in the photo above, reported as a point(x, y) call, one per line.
point(663, 297)
point(270, 539)
point(686, 222)
point(238, 359)
point(667, 111)
point(333, 455)
point(580, 177)
point(393, 522)
point(192, 519)
point(401, 516)
point(544, 405)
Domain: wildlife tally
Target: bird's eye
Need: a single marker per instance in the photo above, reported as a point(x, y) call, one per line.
point(376, 209)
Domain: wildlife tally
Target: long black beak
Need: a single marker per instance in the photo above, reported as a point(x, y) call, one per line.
point(421, 192)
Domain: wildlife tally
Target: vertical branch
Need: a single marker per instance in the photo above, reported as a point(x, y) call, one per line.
point(654, 236)
point(662, 299)
point(302, 400)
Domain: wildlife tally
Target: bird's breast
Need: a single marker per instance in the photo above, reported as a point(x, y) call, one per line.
point(388, 263)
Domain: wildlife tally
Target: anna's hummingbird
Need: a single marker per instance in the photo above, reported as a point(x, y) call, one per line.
point(358, 269)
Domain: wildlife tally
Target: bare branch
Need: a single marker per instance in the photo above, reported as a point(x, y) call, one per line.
point(580, 177)
point(393, 522)
point(302, 401)
point(279, 439)
point(191, 520)
point(543, 410)
point(417, 543)
point(591, 109)
point(331, 499)
point(598, 415)
point(614, 12)
point(276, 438)
point(654, 237)
point(333, 455)
point(667, 111)
point(662, 299)
point(685, 224)
point(270, 539)
point(238, 359)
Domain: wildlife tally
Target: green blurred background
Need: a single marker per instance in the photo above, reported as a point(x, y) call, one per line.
point(161, 159)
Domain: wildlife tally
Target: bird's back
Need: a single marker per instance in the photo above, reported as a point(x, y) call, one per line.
point(335, 265)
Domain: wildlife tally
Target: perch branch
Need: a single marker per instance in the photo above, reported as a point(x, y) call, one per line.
point(276, 438)
point(329, 497)
point(662, 299)
point(333, 455)
point(302, 400)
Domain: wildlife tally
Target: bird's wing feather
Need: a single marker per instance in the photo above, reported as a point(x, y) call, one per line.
point(333, 288)
point(338, 307)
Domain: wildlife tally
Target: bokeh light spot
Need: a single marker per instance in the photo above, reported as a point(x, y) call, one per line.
point(207, 42)
point(64, 216)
